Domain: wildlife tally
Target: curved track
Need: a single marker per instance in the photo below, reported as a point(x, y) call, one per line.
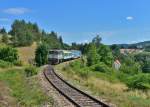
point(74, 95)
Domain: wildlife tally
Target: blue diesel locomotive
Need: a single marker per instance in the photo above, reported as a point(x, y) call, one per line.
point(58, 56)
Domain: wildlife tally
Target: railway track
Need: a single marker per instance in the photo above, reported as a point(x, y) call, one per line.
point(74, 95)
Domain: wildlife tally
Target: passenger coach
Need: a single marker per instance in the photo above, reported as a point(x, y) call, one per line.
point(58, 56)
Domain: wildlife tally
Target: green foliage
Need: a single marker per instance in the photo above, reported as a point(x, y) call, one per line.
point(53, 41)
point(105, 55)
point(4, 64)
point(146, 67)
point(143, 56)
point(23, 34)
point(30, 71)
point(3, 31)
point(84, 73)
point(116, 51)
point(81, 69)
point(147, 48)
point(5, 38)
point(132, 69)
point(130, 66)
point(101, 67)
point(41, 54)
point(144, 59)
point(18, 63)
point(8, 54)
point(139, 81)
point(97, 41)
point(92, 56)
point(77, 64)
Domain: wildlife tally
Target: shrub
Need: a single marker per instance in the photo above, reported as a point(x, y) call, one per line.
point(83, 73)
point(132, 69)
point(100, 67)
point(4, 64)
point(139, 81)
point(30, 71)
point(8, 54)
point(18, 63)
point(76, 64)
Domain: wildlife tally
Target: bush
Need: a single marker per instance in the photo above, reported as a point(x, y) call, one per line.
point(84, 73)
point(101, 67)
point(4, 64)
point(139, 81)
point(132, 69)
point(77, 64)
point(30, 71)
point(8, 54)
point(18, 63)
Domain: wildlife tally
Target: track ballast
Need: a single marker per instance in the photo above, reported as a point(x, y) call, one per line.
point(74, 95)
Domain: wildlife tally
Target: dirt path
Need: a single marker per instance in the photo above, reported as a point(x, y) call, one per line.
point(59, 100)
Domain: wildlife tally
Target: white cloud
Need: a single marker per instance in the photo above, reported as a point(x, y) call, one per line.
point(129, 18)
point(16, 11)
point(4, 19)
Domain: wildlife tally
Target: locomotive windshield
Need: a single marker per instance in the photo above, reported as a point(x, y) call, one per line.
point(53, 52)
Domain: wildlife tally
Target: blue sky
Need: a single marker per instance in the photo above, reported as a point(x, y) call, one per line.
point(116, 21)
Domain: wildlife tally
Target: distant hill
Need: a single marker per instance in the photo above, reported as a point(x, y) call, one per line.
point(139, 45)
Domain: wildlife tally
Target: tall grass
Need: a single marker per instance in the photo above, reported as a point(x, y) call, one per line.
point(26, 91)
point(107, 85)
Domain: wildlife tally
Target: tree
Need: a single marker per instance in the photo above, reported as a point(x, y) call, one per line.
point(41, 54)
point(3, 31)
point(23, 33)
point(52, 40)
point(144, 59)
point(130, 66)
point(147, 48)
point(105, 54)
point(146, 66)
point(5, 39)
point(61, 42)
point(97, 40)
point(116, 51)
point(92, 56)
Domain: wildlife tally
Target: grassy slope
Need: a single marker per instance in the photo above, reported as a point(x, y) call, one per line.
point(24, 91)
point(26, 53)
point(100, 85)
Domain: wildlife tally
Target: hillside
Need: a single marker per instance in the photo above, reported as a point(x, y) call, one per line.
point(135, 45)
point(27, 53)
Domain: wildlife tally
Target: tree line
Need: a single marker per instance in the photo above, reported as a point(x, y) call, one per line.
point(24, 33)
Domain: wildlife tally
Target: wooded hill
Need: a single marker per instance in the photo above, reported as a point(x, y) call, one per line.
point(139, 45)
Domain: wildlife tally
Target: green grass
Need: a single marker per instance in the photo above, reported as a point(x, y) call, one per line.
point(105, 85)
point(25, 90)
